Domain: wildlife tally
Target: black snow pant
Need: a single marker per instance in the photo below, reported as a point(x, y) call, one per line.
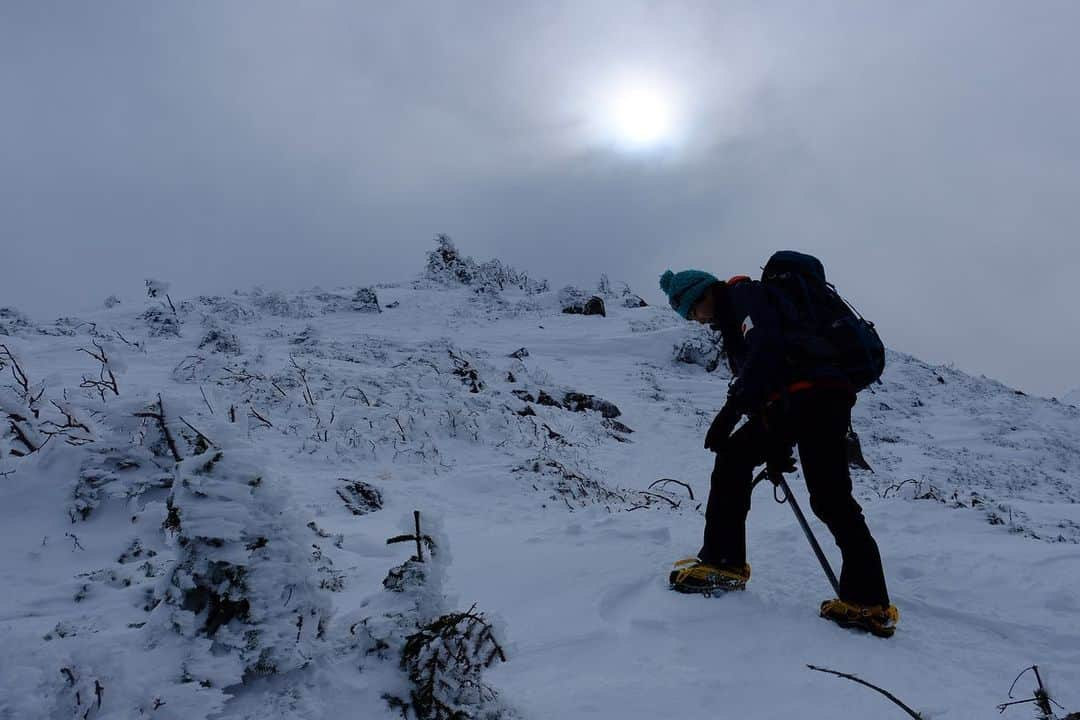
point(817, 421)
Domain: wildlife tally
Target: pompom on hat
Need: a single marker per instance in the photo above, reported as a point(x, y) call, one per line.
point(685, 288)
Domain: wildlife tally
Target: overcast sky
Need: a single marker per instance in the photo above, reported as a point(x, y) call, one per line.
point(928, 152)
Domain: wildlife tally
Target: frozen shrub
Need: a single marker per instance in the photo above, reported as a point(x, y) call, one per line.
point(222, 310)
point(161, 322)
point(568, 485)
point(277, 304)
point(442, 654)
point(620, 294)
point(446, 266)
point(365, 300)
point(241, 580)
point(445, 660)
point(11, 321)
point(220, 341)
point(156, 288)
point(571, 296)
point(574, 301)
point(702, 348)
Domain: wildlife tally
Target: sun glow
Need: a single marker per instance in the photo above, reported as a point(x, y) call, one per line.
point(637, 114)
point(642, 118)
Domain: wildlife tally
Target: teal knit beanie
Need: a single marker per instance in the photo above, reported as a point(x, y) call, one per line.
point(685, 288)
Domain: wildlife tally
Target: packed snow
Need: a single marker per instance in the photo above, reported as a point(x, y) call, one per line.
point(196, 497)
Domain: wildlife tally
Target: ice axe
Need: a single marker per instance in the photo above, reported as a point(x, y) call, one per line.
point(778, 481)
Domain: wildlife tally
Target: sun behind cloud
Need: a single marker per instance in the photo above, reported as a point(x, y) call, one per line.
point(642, 118)
point(637, 113)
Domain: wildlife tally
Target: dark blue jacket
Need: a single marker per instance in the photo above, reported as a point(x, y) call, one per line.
point(752, 318)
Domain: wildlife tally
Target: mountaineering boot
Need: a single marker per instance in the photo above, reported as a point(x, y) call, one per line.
point(874, 619)
point(693, 576)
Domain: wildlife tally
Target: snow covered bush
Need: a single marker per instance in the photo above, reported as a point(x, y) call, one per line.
point(242, 587)
point(446, 266)
point(702, 347)
point(278, 304)
point(25, 412)
point(225, 311)
point(160, 322)
point(220, 340)
point(622, 295)
point(12, 321)
point(365, 300)
point(117, 469)
point(564, 483)
point(445, 660)
point(574, 301)
point(443, 654)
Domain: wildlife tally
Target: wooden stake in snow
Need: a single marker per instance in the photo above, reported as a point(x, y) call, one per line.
point(420, 539)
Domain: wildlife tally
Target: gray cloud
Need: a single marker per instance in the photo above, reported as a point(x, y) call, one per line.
point(929, 153)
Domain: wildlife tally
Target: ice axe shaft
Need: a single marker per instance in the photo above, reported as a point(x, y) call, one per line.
point(777, 479)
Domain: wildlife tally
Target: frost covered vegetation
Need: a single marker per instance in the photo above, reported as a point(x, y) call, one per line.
point(197, 496)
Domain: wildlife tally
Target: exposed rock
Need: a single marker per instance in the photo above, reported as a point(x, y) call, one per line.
point(544, 399)
point(580, 402)
point(576, 302)
point(467, 372)
point(520, 353)
point(360, 497)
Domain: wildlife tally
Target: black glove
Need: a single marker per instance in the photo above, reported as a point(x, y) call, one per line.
point(722, 425)
point(780, 460)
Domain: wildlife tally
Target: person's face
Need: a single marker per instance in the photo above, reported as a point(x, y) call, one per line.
point(702, 310)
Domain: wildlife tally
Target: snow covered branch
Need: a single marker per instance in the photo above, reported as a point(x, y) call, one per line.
point(106, 381)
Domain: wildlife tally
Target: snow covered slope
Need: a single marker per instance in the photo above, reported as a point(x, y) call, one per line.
point(246, 580)
point(1072, 398)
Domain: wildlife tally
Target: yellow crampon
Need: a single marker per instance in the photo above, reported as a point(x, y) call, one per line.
point(876, 619)
point(693, 576)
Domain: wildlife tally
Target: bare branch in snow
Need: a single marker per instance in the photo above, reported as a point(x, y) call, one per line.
point(860, 681)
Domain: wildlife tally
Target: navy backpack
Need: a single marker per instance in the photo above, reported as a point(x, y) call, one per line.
point(828, 331)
